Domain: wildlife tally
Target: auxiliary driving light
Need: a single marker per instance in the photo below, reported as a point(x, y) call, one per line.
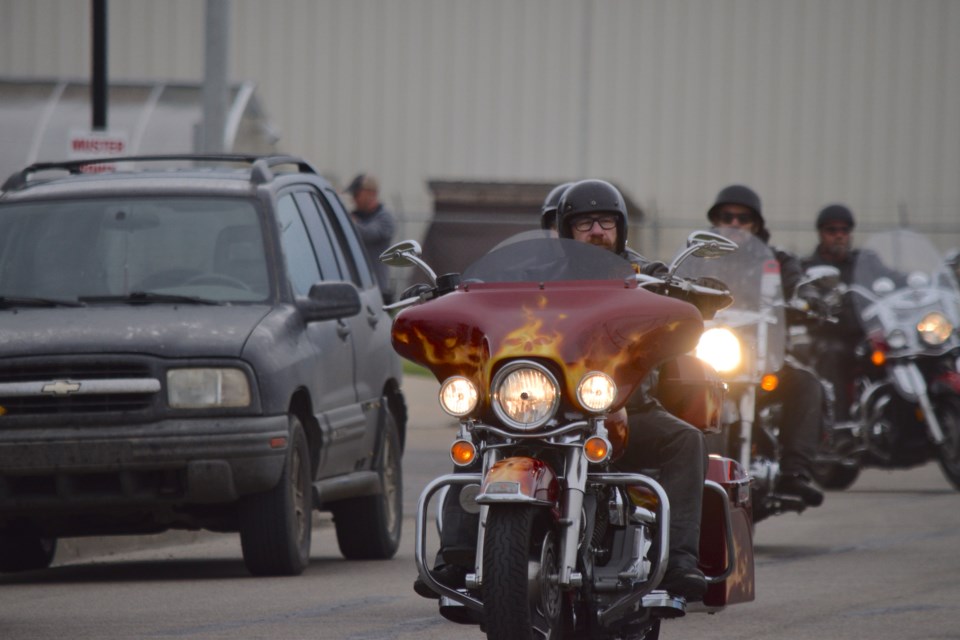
point(596, 392)
point(458, 396)
point(463, 453)
point(596, 448)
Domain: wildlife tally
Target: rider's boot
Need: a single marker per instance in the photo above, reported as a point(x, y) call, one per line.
point(796, 484)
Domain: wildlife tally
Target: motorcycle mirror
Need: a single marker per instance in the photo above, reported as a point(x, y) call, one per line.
point(399, 254)
point(882, 286)
point(407, 254)
point(710, 245)
point(824, 276)
point(703, 244)
point(918, 280)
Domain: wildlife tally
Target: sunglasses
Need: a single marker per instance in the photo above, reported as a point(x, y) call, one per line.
point(727, 217)
point(832, 231)
point(585, 224)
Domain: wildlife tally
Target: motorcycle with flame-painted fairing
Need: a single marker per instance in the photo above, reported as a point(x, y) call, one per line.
point(537, 347)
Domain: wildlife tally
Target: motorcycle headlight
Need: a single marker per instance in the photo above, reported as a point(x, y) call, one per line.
point(458, 396)
point(526, 395)
point(720, 348)
point(207, 388)
point(596, 392)
point(934, 329)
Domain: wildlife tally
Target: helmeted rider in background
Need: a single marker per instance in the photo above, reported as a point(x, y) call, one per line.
point(835, 344)
point(800, 393)
point(548, 210)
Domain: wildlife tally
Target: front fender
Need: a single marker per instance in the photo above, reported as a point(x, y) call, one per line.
point(520, 480)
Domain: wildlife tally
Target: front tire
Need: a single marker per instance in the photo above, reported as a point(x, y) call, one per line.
point(948, 454)
point(276, 525)
point(368, 527)
point(24, 550)
point(521, 562)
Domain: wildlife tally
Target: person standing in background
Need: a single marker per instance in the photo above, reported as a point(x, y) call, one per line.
point(375, 225)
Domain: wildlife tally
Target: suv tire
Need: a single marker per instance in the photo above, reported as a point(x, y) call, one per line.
point(368, 528)
point(276, 525)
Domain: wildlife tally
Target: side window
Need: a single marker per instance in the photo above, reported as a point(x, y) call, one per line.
point(354, 253)
point(327, 249)
point(298, 253)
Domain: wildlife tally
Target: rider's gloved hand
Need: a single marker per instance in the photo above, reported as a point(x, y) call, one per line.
point(655, 268)
point(712, 283)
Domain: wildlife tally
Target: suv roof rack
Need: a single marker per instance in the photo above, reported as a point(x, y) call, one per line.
point(261, 170)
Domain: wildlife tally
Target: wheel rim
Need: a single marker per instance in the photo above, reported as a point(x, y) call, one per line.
point(547, 596)
point(300, 492)
point(390, 485)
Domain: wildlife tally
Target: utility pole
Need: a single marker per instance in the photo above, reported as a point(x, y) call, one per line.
point(216, 85)
point(98, 84)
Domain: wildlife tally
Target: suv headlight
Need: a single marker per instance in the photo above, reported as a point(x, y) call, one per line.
point(205, 388)
point(526, 395)
point(720, 348)
point(934, 329)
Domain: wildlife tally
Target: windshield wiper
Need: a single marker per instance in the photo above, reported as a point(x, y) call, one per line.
point(9, 302)
point(148, 297)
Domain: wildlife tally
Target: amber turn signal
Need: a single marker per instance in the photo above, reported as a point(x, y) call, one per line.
point(769, 382)
point(878, 358)
point(463, 453)
point(596, 448)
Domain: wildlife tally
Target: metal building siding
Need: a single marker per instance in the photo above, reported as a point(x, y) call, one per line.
point(809, 101)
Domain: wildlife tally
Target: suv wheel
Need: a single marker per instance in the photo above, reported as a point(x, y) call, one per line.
point(368, 528)
point(275, 526)
point(23, 550)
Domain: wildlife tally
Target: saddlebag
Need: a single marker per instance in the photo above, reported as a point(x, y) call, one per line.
point(726, 534)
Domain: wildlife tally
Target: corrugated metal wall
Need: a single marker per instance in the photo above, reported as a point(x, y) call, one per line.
point(808, 101)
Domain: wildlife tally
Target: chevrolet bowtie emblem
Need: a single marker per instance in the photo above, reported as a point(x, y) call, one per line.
point(60, 388)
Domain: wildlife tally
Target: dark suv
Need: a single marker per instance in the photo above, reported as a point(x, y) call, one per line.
point(192, 342)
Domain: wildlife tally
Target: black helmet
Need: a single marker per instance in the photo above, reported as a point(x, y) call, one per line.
point(835, 213)
point(548, 211)
point(745, 197)
point(592, 196)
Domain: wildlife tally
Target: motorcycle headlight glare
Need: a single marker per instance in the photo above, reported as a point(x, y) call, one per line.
point(526, 395)
point(596, 392)
point(720, 348)
point(207, 388)
point(934, 329)
point(458, 396)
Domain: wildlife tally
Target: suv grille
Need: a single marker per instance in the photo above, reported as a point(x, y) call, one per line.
point(76, 387)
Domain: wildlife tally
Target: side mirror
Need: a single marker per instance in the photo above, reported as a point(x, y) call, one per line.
point(707, 244)
point(330, 300)
point(407, 254)
point(823, 276)
point(399, 254)
point(703, 244)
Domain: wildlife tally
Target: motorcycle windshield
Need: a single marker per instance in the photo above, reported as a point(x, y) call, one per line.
point(899, 278)
point(756, 316)
point(567, 304)
point(539, 256)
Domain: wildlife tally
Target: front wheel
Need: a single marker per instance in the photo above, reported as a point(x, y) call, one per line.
point(948, 454)
point(368, 527)
point(522, 598)
point(276, 525)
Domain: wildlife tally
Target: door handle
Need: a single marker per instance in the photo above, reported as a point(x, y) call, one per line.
point(372, 318)
point(343, 329)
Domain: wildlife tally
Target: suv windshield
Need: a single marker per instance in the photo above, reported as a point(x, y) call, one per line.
point(104, 250)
